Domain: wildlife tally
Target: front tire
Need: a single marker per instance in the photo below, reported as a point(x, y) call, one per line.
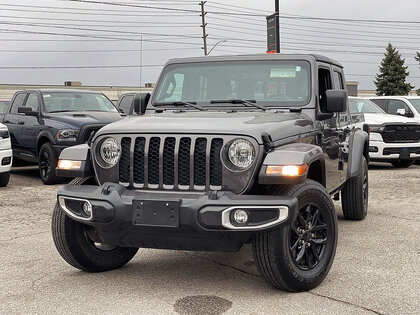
point(298, 257)
point(47, 164)
point(403, 164)
point(355, 194)
point(80, 246)
point(4, 179)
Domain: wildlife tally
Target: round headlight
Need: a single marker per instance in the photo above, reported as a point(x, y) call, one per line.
point(241, 153)
point(110, 151)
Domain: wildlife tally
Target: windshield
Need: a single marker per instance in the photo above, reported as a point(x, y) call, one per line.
point(72, 102)
point(359, 105)
point(270, 83)
point(416, 103)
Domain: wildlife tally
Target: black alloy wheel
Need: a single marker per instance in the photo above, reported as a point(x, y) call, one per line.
point(308, 237)
point(47, 161)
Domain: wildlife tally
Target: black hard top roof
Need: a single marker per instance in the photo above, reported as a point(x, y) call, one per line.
point(314, 57)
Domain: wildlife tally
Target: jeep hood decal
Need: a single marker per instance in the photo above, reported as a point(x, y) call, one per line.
point(279, 125)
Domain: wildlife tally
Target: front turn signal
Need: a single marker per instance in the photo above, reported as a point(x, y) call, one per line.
point(287, 170)
point(69, 165)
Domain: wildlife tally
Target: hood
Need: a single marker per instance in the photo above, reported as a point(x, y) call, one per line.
point(278, 125)
point(79, 119)
point(3, 127)
point(379, 119)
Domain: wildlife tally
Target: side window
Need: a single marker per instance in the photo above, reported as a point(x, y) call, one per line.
point(33, 102)
point(324, 77)
point(17, 102)
point(125, 103)
point(382, 104)
point(395, 105)
point(338, 81)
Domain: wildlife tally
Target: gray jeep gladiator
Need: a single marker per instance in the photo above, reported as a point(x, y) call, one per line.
point(229, 151)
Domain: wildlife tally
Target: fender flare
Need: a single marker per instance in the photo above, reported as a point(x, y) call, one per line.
point(292, 154)
point(358, 146)
point(81, 153)
point(44, 134)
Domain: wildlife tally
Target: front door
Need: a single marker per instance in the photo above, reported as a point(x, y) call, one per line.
point(329, 136)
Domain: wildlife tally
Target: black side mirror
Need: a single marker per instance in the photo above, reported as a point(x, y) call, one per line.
point(336, 101)
point(140, 102)
point(27, 111)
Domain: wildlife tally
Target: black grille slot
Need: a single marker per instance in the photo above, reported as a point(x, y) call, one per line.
point(401, 133)
point(125, 160)
point(216, 162)
point(184, 167)
point(169, 161)
point(138, 161)
point(165, 162)
point(262, 216)
point(153, 161)
point(200, 162)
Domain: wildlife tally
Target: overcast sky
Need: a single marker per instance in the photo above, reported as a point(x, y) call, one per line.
point(52, 41)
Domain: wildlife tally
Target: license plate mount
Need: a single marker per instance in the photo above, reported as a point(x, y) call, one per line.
point(156, 213)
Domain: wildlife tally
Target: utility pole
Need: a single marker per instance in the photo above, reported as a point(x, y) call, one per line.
point(277, 13)
point(141, 59)
point(203, 25)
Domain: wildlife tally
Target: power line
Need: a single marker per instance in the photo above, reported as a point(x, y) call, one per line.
point(76, 67)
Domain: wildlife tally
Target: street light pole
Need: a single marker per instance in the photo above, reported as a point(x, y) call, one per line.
point(214, 46)
point(277, 13)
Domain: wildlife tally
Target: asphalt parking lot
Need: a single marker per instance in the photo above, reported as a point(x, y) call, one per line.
point(376, 269)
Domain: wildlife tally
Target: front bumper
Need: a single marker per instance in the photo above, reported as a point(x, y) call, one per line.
point(6, 158)
point(381, 151)
point(187, 221)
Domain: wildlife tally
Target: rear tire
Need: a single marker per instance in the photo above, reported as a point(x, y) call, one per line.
point(355, 194)
point(74, 243)
point(4, 179)
point(47, 164)
point(403, 164)
point(283, 257)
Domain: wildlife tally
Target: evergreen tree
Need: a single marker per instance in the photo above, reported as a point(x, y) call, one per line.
point(392, 74)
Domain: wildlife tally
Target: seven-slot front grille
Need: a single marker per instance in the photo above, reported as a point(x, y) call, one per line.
point(401, 133)
point(167, 162)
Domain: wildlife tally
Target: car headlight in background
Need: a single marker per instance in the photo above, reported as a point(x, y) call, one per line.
point(68, 135)
point(4, 134)
point(373, 128)
point(241, 153)
point(110, 151)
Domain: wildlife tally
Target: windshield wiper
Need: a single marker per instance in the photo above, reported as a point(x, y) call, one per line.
point(181, 103)
point(248, 103)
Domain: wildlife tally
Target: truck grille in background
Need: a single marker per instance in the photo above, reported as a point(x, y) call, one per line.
point(171, 162)
point(401, 133)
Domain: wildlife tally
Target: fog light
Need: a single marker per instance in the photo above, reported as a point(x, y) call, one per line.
point(87, 208)
point(240, 216)
point(69, 164)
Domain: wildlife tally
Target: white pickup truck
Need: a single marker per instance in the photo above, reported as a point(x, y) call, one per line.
point(6, 156)
point(394, 139)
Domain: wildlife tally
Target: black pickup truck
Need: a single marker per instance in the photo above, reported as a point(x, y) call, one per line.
point(44, 122)
point(229, 151)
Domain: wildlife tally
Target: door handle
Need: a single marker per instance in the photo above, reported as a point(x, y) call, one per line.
point(21, 122)
point(6, 121)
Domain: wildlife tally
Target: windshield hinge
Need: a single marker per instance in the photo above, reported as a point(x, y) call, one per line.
point(268, 142)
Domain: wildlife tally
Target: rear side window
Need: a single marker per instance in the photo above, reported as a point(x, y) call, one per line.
point(3, 107)
point(18, 102)
point(125, 103)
